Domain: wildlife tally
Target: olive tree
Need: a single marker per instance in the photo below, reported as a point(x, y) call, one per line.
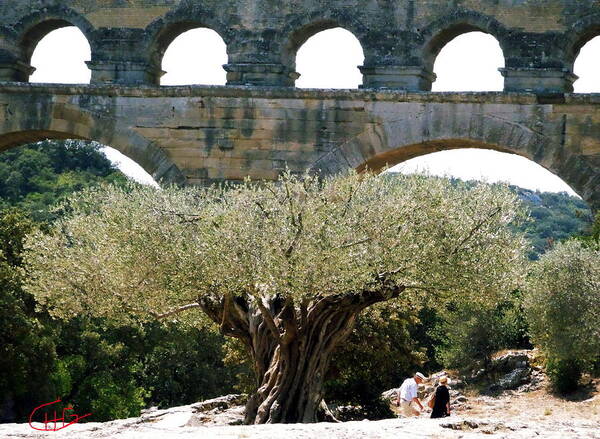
point(285, 267)
point(561, 305)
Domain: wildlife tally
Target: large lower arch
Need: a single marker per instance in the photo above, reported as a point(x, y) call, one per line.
point(389, 143)
point(68, 122)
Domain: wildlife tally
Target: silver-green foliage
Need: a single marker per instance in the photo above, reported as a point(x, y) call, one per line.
point(563, 302)
point(145, 252)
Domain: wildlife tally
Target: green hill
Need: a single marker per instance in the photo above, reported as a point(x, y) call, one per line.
point(554, 217)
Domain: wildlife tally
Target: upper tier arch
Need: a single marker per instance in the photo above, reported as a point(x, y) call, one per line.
point(162, 32)
point(581, 33)
point(33, 27)
point(300, 28)
point(440, 32)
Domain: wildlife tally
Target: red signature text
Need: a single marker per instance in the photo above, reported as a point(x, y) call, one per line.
point(48, 423)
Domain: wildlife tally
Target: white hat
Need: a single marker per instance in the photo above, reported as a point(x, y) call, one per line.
point(420, 375)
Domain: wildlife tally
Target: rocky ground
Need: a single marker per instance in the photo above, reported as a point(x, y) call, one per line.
point(526, 411)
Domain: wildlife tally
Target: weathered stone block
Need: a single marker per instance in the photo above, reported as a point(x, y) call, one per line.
point(275, 75)
point(123, 72)
point(538, 80)
point(397, 77)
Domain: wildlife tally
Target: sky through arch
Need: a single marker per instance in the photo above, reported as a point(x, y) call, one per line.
point(330, 59)
point(469, 62)
point(128, 167)
point(60, 57)
point(486, 165)
point(587, 67)
point(196, 56)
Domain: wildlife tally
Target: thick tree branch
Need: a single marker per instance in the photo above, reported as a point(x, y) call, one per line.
point(304, 312)
point(263, 210)
point(299, 229)
point(349, 200)
point(426, 288)
point(288, 320)
point(268, 318)
point(357, 301)
point(213, 308)
point(352, 244)
point(228, 318)
point(234, 318)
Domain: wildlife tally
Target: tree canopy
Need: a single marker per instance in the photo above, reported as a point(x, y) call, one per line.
point(148, 251)
point(286, 267)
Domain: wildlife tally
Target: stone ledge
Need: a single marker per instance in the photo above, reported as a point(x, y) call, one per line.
point(230, 91)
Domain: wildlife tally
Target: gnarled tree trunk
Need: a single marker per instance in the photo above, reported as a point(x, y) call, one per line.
point(291, 346)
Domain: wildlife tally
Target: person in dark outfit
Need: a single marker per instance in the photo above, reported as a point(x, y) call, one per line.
point(441, 407)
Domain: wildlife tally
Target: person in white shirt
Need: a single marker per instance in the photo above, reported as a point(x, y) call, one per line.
point(407, 396)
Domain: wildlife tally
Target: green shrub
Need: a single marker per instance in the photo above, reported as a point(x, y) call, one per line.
point(562, 305)
point(564, 374)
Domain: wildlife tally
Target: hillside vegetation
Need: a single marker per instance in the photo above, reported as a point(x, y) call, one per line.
point(555, 217)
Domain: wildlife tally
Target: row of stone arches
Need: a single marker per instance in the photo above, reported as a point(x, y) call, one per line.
point(470, 62)
point(270, 58)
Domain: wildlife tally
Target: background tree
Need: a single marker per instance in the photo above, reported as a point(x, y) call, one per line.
point(110, 370)
point(555, 217)
point(562, 304)
point(285, 267)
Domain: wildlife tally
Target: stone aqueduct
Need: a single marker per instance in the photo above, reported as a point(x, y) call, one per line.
point(259, 124)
